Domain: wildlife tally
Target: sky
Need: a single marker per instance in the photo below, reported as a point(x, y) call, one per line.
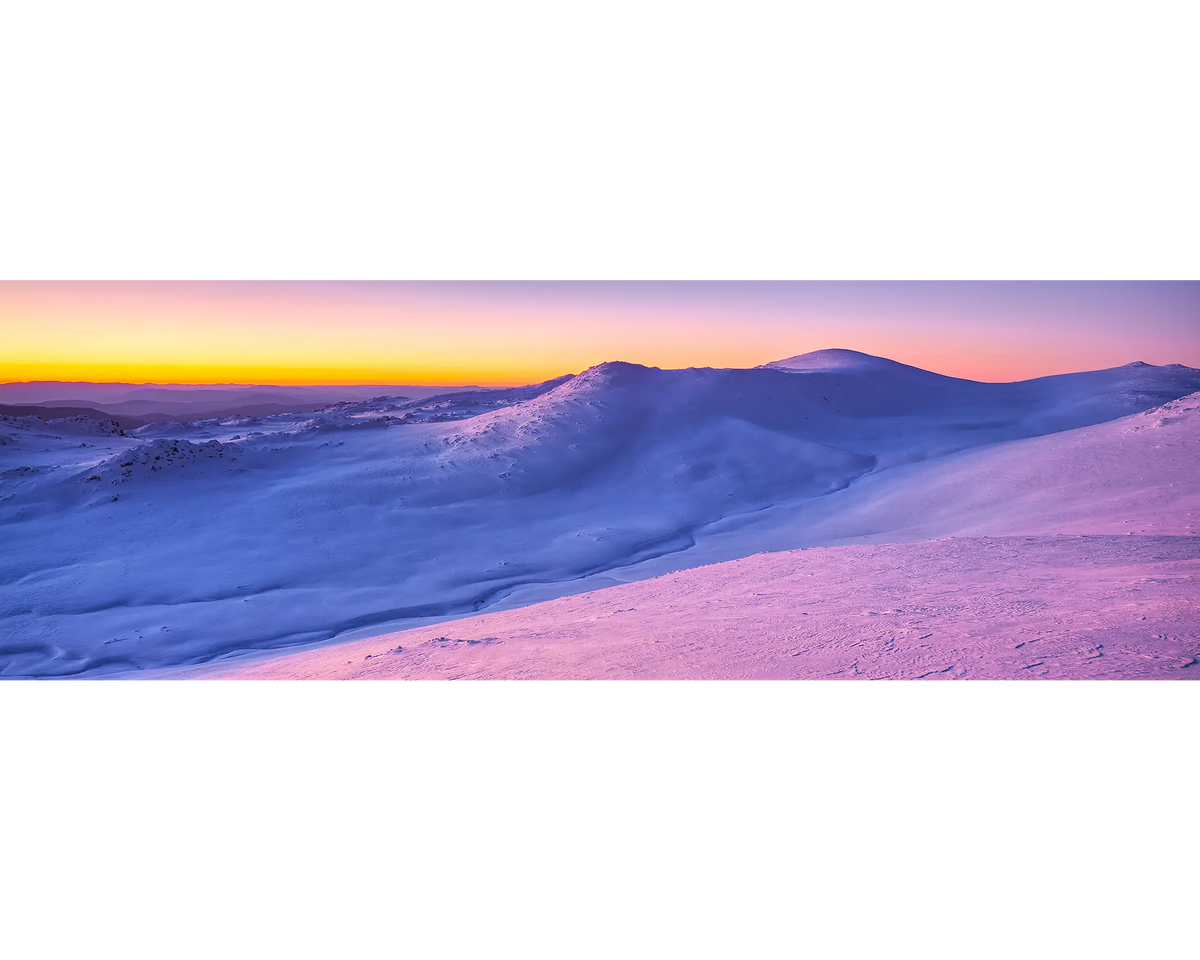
point(516, 333)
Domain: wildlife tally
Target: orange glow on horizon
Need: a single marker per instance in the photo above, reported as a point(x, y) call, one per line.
point(503, 335)
point(511, 376)
point(190, 375)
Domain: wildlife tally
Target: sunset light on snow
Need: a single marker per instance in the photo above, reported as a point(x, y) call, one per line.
point(194, 474)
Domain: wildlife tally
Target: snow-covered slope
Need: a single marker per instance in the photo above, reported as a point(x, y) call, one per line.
point(963, 608)
point(848, 361)
point(1135, 475)
point(180, 543)
point(1103, 582)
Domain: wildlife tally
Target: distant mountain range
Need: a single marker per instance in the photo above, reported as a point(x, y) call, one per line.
point(134, 405)
point(147, 412)
point(55, 412)
point(213, 396)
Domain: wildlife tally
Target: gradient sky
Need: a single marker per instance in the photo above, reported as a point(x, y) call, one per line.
point(515, 333)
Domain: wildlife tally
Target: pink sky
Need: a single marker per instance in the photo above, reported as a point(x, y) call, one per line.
point(492, 333)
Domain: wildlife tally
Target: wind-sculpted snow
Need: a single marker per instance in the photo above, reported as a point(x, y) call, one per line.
point(1024, 608)
point(373, 412)
point(151, 549)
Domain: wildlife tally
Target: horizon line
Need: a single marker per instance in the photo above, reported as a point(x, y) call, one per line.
point(499, 384)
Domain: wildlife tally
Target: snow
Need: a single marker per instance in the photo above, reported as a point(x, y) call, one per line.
point(978, 608)
point(850, 361)
point(207, 540)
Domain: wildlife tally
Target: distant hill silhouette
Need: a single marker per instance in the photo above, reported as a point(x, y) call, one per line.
point(124, 421)
point(137, 414)
point(206, 396)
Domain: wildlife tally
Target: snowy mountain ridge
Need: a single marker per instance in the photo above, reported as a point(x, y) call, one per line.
point(179, 542)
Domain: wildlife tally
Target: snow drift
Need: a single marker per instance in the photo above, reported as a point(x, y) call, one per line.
point(177, 544)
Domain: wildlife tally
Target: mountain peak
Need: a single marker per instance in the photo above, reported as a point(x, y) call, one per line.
point(609, 372)
point(832, 359)
point(614, 366)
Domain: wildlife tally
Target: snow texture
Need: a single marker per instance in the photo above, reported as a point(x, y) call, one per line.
point(140, 552)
